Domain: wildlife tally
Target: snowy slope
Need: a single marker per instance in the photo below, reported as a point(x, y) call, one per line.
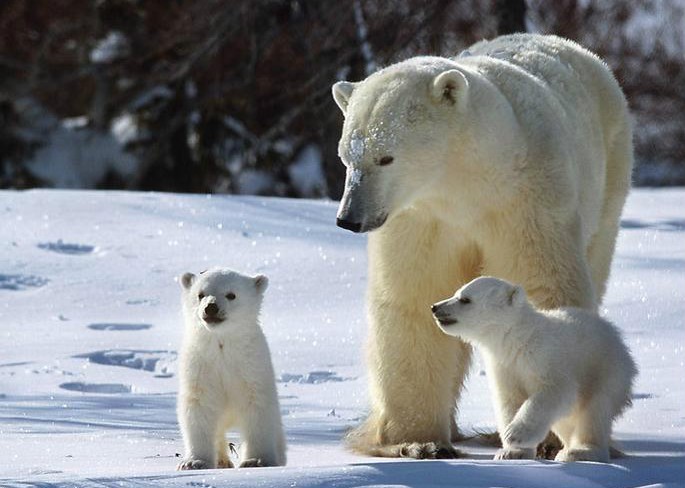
point(89, 319)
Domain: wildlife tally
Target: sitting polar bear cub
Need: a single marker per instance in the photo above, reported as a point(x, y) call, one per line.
point(565, 369)
point(226, 375)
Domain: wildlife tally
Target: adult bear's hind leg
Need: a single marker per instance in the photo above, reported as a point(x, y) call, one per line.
point(600, 251)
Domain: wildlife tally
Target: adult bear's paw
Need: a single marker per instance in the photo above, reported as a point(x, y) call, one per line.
point(429, 450)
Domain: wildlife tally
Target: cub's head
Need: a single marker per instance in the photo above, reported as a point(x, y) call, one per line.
point(220, 298)
point(480, 307)
point(399, 125)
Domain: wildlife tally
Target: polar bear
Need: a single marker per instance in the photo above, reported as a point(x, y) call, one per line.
point(567, 368)
point(226, 376)
point(513, 159)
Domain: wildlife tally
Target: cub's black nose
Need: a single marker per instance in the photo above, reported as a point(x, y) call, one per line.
point(212, 309)
point(434, 308)
point(346, 224)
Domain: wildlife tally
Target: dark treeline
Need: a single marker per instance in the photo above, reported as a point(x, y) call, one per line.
point(234, 96)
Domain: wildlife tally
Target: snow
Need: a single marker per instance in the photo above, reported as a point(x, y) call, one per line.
point(354, 179)
point(357, 147)
point(68, 153)
point(254, 182)
point(306, 173)
point(655, 21)
point(90, 321)
point(73, 156)
point(110, 48)
point(125, 129)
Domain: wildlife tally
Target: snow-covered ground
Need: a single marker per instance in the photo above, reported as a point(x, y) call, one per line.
point(90, 326)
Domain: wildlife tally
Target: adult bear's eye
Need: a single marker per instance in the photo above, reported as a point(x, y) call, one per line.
point(200, 296)
point(230, 296)
point(385, 160)
point(464, 300)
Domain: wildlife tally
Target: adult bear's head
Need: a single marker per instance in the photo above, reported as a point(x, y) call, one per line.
point(400, 124)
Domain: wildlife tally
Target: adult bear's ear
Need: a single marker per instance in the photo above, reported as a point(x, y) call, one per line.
point(261, 282)
point(187, 280)
point(342, 91)
point(516, 296)
point(450, 86)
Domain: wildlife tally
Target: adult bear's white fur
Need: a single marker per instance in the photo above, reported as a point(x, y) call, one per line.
point(513, 160)
point(567, 368)
point(226, 376)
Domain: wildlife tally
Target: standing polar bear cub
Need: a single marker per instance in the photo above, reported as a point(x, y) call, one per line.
point(227, 379)
point(565, 369)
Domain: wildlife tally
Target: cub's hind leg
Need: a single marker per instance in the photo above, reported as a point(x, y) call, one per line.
point(592, 434)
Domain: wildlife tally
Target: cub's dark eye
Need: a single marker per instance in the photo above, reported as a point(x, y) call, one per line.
point(385, 160)
point(464, 300)
point(200, 296)
point(230, 296)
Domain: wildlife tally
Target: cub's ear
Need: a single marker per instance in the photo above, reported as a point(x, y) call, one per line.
point(342, 91)
point(261, 282)
point(516, 296)
point(186, 280)
point(450, 86)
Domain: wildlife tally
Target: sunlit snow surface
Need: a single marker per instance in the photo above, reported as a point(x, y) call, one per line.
point(90, 325)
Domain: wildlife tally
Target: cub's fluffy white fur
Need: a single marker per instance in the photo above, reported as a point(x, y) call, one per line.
point(566, 369)
point(227, 379)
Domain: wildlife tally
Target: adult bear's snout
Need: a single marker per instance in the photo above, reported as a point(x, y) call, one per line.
point(349, 225)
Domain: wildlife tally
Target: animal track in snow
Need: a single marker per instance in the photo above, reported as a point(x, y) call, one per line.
point(17, 282)
point(157, 362)
point(142, 301)
point(62, 247)
point(642, 396)
point(109, 388)
point(672, 225)
point(119, 326)
point(312, 378)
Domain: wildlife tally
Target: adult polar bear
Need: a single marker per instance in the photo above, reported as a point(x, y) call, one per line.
point(512, 160)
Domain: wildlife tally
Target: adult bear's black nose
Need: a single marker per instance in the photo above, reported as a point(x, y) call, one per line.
point(349, 225)
point(212, 309)
point(434, 308)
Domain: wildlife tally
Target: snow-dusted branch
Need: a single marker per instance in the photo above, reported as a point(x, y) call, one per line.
point(362, 37)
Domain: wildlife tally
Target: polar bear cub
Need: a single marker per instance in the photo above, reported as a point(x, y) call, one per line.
point(226, 376)
point(566, 369)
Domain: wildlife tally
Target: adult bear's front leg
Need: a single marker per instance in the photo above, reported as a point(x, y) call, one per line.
point(412, 372)
point(413, 366)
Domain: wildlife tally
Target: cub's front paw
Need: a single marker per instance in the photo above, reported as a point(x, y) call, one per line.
point(193, 464)
point(252, 463)
point(522, 435)
point(515, 453)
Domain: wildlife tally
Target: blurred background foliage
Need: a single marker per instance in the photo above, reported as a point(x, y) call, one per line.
point(234, 96)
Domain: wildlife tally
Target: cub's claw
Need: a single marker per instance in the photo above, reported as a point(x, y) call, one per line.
point(514, 453)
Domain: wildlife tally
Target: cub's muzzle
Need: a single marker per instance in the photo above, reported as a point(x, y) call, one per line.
point(442, 316)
